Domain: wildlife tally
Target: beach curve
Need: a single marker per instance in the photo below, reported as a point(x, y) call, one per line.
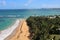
point(21, 32)
point(9, 30)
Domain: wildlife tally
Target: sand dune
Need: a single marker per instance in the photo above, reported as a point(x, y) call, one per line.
point(20, 33)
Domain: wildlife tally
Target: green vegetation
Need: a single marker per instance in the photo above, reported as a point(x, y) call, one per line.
point(40, 26)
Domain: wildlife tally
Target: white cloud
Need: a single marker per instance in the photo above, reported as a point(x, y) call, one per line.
point(50, 6)
point(2, 2)
point(29, 2)
point(13, 4)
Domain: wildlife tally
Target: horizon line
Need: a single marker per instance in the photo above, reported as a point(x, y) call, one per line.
point(34, 8)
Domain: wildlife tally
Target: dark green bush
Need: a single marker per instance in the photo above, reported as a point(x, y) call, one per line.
point(40, 26)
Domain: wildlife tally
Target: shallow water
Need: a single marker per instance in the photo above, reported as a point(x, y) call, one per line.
point(5, 23)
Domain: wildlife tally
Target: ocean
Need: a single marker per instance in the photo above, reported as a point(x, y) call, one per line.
point(25, 13)
point(7, 16)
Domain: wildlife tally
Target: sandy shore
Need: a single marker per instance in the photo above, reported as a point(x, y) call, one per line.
point(20, 33)
point(9, 30)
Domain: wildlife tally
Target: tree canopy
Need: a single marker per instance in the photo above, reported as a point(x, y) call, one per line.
point(40, 26)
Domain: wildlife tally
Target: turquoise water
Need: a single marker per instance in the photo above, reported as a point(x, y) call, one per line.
point(24, 13)
point(7, 16)
point(5, 23)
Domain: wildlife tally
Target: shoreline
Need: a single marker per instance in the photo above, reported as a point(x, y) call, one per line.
point(21, 32)
point(5, 33)
point(14, 31)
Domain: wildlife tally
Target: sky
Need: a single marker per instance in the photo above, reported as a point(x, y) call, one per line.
point(29, 4)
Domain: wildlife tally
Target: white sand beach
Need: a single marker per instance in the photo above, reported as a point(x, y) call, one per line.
point(5, 33)
point(21, 32)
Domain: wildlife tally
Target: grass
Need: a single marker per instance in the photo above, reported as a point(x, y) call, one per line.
point(57, 37)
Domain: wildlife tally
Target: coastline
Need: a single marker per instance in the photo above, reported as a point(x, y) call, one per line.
point(21, 32)
point(14, 31)
point(9, 30)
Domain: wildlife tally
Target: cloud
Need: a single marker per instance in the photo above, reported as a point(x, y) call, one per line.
point(50, 6)
point(13, 4)
point(2, 2)
point(29, 2)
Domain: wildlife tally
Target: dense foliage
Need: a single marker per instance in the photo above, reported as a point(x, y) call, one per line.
point(40, 26)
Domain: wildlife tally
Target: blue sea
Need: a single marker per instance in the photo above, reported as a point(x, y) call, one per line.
point(7, 16)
